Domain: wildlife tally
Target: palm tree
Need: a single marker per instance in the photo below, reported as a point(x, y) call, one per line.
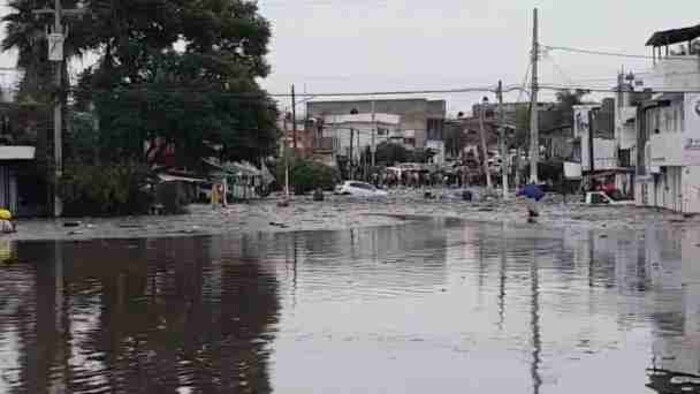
point(26, 34)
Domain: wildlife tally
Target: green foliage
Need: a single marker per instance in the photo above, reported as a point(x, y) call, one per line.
point(566, 99)
point(389, 153)
point(172, 196)
point(82, 142)
point(522, 127)
point(142, 87)
point(201, 97)
point(198, 97)
point(192, 118)
point(307, 175)
point(94, 190)
point(455, 139)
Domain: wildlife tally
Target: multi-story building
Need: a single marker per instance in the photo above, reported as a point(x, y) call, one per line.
point(593, 146)
point(668, 127)
point(627, 101)
point(351, 134)
point(420, 122)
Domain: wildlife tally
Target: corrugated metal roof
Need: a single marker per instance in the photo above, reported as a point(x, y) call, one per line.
point(673, 36)
point(17, 152)
point(174, 178)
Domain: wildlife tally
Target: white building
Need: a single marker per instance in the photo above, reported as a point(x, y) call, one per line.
point(421, 121)
point(626, 104)
point(668, 135)
point(358, 128)
point(603, 148)
point(587, 131)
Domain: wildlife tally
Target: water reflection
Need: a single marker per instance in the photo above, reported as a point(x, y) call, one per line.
point(428, 306)
point(138, 316)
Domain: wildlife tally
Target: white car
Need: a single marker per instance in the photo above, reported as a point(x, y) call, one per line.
point(360, 189)
point(602, 198)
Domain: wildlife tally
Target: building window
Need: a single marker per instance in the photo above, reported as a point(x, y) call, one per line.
point(657, 120)
point(624, 155)
point(382, 131)
point(681, 119)
point(674, 124)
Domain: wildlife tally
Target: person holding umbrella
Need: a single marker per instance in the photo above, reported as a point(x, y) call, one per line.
point(533, 194)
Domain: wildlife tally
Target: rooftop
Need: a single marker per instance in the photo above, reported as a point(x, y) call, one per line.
point(673, 36)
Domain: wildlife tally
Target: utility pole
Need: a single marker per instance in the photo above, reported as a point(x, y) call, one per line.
point(57, 109)
point(286, 157)
point(351, 159)
point(56, 39)
point(505, 163)
point(591, 151)
point(482, 135)
point(374, 130)
point(294, 120)
point(534, 132)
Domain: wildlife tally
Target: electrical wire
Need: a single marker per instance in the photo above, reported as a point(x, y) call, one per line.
point(523, 88)
point(611, 89)
point(614, 54)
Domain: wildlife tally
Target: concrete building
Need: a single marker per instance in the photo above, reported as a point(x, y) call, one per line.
point(668, 131)
point(594, 151)
point(627, 101)
point(420, 121)
point(351, 134)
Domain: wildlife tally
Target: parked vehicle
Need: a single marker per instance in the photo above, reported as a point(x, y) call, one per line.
point(602, 198)
point(360, 189)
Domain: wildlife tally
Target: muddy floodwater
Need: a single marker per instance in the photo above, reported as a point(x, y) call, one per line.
point(418, 306)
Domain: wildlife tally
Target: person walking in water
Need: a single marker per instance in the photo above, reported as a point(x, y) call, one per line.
point(533, 194)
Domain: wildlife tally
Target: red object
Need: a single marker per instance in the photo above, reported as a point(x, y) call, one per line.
point(609, 188)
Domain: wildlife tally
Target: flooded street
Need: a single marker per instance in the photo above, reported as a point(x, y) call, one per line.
point(430, 305)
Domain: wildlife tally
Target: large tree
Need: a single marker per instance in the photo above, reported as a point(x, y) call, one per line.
point(202, 95)
point(25, 33)
point(182, 70)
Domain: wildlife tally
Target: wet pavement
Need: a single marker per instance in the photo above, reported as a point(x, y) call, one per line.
point(407, 305)
point(342, 212)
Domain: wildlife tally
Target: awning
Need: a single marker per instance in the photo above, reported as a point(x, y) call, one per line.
point(17, 152)
point(176, 178)
point(234, 168)
point(609, 171)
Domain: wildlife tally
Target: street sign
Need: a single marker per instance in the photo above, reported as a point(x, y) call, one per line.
point(56, 47)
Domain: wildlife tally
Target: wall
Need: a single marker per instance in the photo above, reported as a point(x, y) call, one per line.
point(667, 149)
point(414, 113)
point(675, 73)
point(625, 129)
point(439, 147)
point(604, 154)
point(691, 189)
point(604, 149)
point(338, 128)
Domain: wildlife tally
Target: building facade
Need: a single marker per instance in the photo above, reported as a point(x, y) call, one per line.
point(420, 122)
point(668, 129)
point(351, 134)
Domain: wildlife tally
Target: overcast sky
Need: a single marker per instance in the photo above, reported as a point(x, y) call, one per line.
point(374, 45)
point(364, 45)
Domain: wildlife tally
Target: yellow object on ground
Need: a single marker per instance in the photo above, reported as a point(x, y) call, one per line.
point(7, 251)
point(5, 214)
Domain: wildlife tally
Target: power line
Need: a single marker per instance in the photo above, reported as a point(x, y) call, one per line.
point(527, 73)
point(615, 54)
point(262, 94)
point(612, 89)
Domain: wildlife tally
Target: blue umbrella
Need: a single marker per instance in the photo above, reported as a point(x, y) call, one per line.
point(531, 191)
